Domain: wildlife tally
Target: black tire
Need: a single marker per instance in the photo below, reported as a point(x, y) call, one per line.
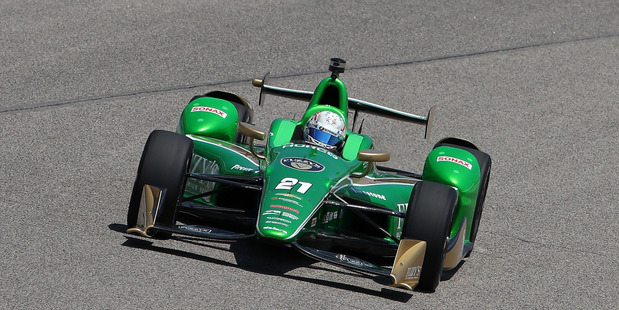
point(429, 218)
point(485, 165)
point(164, 163)
point(243, 117)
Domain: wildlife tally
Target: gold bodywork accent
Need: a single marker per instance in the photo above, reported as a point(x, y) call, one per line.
point(257, 82)
point(395, 180)
point(453, 257)
point(253, 133)
point(429, 120)
point(408, 262)
point(371, 156)
point(233, 147)
point(369, 180)
point(149, 204)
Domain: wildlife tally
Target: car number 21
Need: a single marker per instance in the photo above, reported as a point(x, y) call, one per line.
point(289, 183)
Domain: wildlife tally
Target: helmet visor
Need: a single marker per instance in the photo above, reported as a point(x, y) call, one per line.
point(323, 136)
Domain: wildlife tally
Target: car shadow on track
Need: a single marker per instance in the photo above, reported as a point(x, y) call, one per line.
point(448, 274)
point(266, 259)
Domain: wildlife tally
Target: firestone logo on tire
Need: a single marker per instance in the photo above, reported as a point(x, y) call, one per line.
point(211, 110)
point(455, 161)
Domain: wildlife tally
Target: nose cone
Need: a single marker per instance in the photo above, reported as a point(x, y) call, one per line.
point(298, 178)
point(281, 218)
point(273, 232)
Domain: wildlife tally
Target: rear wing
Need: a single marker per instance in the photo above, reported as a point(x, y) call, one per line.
point(358, 105)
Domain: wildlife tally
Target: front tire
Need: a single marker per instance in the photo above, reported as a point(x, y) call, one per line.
point(164, 164)
point(429, 218)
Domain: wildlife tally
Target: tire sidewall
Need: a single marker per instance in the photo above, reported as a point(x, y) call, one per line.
point(164, 163)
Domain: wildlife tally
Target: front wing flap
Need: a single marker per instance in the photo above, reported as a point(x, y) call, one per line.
point(150, 202)
point(404, 273)
point(204, 232)
point(344, 261)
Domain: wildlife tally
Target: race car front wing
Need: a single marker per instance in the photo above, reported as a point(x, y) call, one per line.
point(404, 273)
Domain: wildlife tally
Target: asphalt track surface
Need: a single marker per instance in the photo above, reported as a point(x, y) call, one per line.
point(82, 84)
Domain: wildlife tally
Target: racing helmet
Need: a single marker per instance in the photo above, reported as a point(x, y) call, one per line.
point(325, 129)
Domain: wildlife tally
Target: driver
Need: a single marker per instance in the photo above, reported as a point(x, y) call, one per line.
point(325, 129)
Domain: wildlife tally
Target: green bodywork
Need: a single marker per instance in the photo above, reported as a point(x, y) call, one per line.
point(459, 169)
point(210, 117)
point(298, 177)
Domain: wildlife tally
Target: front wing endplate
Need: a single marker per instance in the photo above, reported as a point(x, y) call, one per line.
point(152, 196)
point(407, 265)
point(344, 261)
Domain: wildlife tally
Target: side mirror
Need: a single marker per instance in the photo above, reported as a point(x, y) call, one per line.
point(253, 133)
point(370, 156)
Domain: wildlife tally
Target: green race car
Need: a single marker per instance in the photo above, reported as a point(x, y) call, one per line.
point(312, 184)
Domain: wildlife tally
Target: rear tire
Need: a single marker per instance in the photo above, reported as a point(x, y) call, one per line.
point(429, 218)
point(164, 164)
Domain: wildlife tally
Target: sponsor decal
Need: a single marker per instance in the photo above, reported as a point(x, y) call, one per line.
point(294, 202)
point(329, 216)
point(375, 195)
point(202, 165)
point(402, 208)
point(455, 161)
point(196, 229)
point(302, 164)
point(272, 212)
point(314, 221)
point(275, 228)
point(353, 260)
point(412, 273)
point(285, 208)
point(239, 167)
point(211, 110)
point(379, 196)
point(276, 223)
point(313, 147)
point(279, 219)
point(288, 195)
point(289, 215)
